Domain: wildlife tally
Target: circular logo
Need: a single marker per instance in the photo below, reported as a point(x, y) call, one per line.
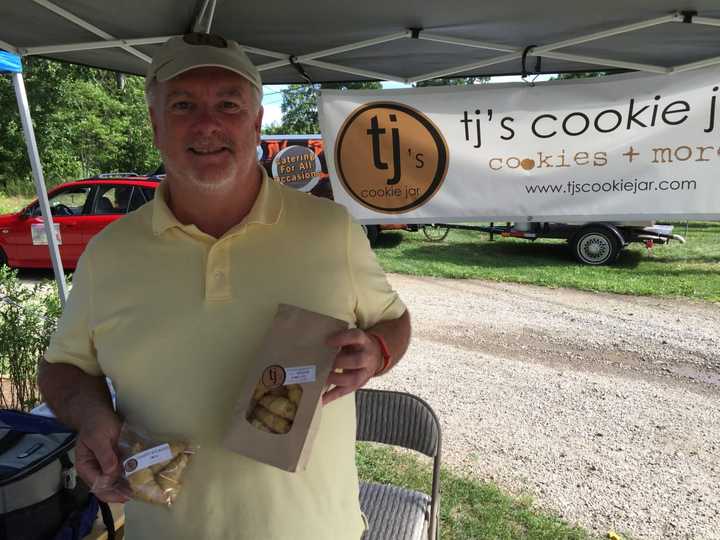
point(273, 376)
point(297, 167)
point(390, 157)
point(130, 465)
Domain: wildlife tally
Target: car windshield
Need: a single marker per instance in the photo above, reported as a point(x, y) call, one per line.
point(67, 202)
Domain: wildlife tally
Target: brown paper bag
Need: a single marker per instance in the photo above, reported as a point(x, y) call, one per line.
point(278, 410)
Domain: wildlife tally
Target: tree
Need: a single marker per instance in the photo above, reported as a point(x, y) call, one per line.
point(453, 81)
point(299, 104)
point(84, 124)
point(583, 75)
point(299, 109)
point(273, 129)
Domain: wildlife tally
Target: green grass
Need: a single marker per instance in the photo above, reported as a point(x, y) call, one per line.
point(691, 270)
point(469, 510)
point(13, 204)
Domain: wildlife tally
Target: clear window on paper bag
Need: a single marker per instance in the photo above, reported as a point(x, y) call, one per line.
point(274, 404)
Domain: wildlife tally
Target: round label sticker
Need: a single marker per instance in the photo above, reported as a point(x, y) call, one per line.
point(273, 376)
point(297, 167)
point(390, 157)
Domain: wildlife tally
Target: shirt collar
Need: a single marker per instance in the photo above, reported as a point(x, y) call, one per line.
point(266, 209)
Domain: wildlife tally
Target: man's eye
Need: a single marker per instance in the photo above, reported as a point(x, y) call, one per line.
point(229, 105)
point(181, 105)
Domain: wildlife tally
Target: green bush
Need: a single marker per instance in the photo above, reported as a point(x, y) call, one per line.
point(28, 317)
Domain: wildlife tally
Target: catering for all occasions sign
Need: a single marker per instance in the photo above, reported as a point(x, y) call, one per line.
point(612, 148)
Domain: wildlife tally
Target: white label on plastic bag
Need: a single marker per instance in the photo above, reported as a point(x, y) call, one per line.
point(147, 458)
point(299, 375)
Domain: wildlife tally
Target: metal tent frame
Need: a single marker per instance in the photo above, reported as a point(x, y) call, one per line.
point(552, 50)
point(286, 66)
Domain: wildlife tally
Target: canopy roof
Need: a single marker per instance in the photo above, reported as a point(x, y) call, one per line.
point(343, 40)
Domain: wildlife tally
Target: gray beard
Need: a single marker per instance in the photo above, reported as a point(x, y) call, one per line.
point(201, 185)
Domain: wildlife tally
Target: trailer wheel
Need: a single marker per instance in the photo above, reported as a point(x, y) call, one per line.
point(595, 246)
point(435, 233)
point(372, 232)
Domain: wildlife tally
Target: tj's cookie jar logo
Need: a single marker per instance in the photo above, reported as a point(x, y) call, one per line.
point(390, 157)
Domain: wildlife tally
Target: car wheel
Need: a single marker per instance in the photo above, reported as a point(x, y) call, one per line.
point(372, 232)
point(436, 233)
point(595, 246)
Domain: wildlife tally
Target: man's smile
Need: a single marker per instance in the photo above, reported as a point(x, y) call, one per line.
point(208, 151)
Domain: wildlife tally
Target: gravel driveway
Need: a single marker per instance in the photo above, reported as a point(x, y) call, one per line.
point(605, 408)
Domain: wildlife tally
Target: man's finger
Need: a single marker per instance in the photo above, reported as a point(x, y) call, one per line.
point(87, 467)
point(352, 360)
point(335, 393)
point(116, 490)
point(106, 456)
point(354, 336)
point(352, 379)
point(113, 496)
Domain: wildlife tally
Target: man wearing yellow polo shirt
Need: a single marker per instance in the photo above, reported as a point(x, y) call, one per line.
point(171, 301)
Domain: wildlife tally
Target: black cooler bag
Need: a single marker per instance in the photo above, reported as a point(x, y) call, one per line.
point(40, 497)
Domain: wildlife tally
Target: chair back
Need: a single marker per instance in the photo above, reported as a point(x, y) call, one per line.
point(397, 418)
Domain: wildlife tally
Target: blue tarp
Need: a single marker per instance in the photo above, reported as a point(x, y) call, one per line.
point(10, 63)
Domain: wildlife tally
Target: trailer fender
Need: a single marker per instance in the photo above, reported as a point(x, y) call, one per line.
point(614, 229)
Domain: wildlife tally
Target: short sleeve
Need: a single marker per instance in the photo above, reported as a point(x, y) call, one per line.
point(72, 342)
point(375, 299)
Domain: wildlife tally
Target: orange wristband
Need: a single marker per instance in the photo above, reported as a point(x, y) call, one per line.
point(384, 351)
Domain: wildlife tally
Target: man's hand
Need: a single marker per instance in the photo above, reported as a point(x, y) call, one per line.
point(96, 454)
point(83, 402)
point(359, 358)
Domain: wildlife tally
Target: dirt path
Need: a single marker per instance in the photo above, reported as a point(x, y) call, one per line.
point(605, 408)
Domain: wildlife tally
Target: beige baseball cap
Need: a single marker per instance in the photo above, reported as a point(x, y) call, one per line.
point(195, 50)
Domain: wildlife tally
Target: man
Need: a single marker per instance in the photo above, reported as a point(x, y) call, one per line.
point(175, 321)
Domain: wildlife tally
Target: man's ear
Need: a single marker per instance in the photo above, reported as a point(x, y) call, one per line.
point(258, 123)
point(153, 123)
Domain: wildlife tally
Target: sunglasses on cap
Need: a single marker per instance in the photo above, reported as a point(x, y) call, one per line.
point(209, 40)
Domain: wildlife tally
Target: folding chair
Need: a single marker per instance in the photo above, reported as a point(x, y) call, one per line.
point(397, 418)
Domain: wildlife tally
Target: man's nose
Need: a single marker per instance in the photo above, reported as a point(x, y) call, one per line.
point(206, 120)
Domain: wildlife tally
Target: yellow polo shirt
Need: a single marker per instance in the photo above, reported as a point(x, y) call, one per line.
point(173, 317)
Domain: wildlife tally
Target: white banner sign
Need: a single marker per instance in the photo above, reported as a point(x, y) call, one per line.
point(625, 147)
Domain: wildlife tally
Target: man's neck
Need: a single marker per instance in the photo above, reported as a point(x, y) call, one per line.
point(214, 213)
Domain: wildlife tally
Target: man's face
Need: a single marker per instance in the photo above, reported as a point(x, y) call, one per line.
point(206, 125)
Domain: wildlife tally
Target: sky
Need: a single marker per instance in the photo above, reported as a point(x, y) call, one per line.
point(272, 96)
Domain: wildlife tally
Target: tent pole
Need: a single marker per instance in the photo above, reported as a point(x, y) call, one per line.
point(204, 19)
point(93, 45)
point(336, 50)
point(65, 14)
point(40, 184)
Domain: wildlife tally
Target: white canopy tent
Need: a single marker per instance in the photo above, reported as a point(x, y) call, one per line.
point(346, 40)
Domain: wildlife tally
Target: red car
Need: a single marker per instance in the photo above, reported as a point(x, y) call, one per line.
point(80, 210)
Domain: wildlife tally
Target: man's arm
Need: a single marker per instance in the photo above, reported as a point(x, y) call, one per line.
point(361, 357)
point(83, 402)
point(72, 394)
point(396, 334)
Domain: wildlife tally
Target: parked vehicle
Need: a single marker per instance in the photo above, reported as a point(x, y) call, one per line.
point(80, 210)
